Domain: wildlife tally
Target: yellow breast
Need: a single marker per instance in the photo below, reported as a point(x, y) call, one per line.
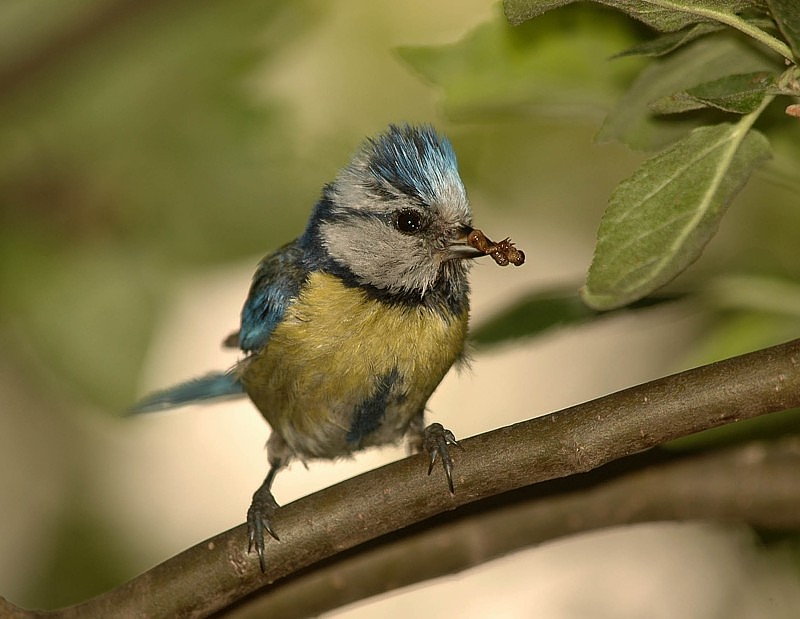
point(331, 352)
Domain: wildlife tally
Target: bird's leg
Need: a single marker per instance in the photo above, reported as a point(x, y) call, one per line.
point(259, 516)
point(415, 437)
point(263, 506)
point(434, 440)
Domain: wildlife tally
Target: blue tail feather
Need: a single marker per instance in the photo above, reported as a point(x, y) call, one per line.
point(210, 387)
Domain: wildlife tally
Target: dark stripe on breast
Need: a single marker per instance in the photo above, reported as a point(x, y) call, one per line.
point(370, 413)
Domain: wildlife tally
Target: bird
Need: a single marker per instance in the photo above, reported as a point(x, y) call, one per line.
point(347, 330)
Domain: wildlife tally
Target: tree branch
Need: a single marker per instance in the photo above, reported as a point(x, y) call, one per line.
point(216, 573)
point(755, 483)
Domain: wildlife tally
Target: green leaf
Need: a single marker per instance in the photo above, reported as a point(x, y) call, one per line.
point(518, 11)
point(740, 94)
point(664, 15)
point(632, 121)
point(676, 103)
point(555, 65)
point(666, 43)
point(787, 16)
point(660, 219)
point(533, 315)
point(542, 311)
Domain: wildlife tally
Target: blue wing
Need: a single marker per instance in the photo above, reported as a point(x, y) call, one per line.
point(276, 283)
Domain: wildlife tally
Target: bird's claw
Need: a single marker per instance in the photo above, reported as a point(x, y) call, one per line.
point(435, 442)
point(259, 521)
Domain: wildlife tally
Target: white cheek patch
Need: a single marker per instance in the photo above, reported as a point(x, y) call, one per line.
point(379, 255)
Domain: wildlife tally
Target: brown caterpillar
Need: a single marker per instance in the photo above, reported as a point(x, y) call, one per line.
point(502, 253)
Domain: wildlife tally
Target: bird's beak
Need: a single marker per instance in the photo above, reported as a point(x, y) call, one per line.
point(459, 248)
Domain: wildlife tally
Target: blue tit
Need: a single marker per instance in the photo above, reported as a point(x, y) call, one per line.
point(348, 329)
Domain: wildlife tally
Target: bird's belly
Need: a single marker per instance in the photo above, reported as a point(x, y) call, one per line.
point(344, 371)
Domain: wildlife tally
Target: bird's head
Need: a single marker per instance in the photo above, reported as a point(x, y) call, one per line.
point(397, 217)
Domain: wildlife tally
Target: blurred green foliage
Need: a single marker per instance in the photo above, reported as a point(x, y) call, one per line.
point(556, 65)
point(130, 154)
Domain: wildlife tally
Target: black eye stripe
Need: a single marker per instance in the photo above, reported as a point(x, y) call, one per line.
point(408, 220)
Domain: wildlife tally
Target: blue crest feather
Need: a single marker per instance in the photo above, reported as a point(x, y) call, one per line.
point(416, 160)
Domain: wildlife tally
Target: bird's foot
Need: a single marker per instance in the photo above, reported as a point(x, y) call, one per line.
point(259, 521)
point(435, 441)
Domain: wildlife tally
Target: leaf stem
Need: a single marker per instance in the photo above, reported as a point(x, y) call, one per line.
point(776, 45)
point(746, 121)
point(732, 20)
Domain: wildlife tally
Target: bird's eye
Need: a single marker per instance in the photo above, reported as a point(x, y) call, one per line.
point(408, 221)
